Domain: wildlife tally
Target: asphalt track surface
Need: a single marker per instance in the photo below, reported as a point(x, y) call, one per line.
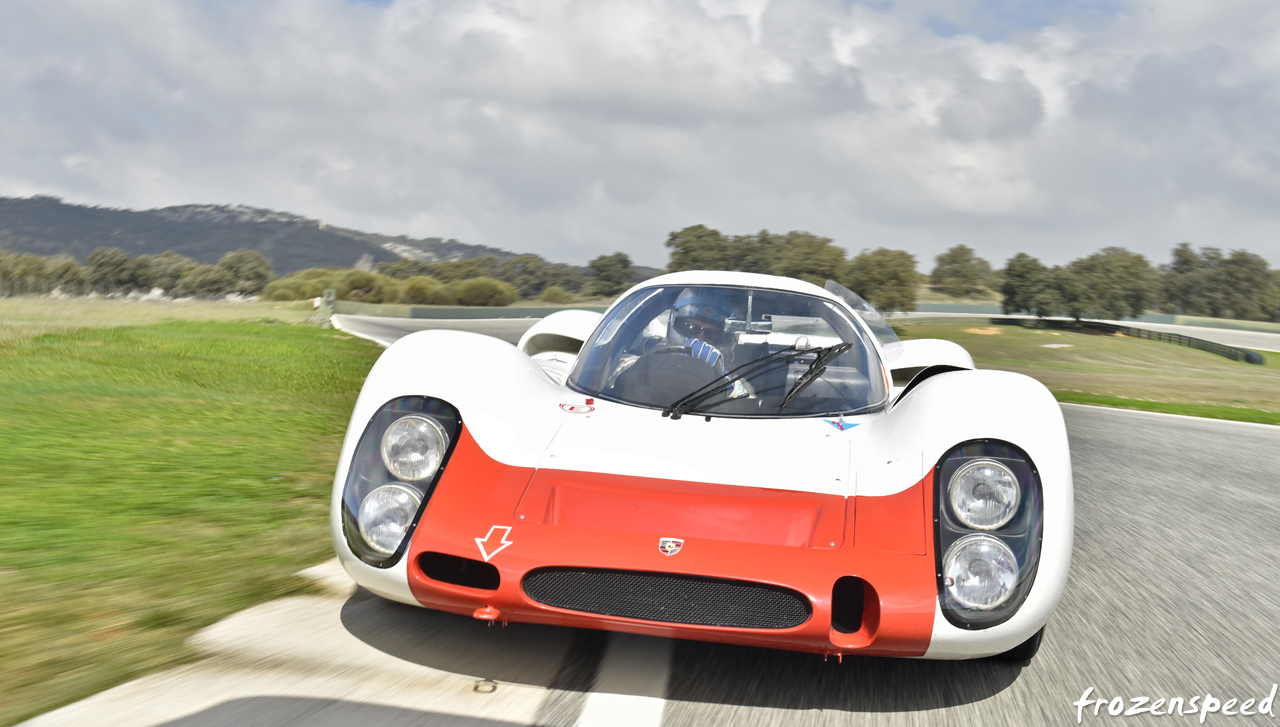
point(1174, 592)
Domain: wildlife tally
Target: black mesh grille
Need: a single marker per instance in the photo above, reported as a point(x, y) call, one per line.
point(668, 597)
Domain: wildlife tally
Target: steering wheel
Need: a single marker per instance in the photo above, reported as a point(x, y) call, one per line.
point(658, 377)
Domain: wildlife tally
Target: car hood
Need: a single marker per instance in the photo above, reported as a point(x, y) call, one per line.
point(800, 455)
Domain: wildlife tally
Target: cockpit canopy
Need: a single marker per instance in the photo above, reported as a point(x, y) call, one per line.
point(753, 348)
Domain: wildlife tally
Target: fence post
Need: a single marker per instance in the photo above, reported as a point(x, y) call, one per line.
point(326, 308)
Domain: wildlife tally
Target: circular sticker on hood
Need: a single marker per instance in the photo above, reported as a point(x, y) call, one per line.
point(578, 408)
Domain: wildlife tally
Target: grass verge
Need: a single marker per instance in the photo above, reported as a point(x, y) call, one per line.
point(156, 479)
point(28, 316)
point(1118, 371)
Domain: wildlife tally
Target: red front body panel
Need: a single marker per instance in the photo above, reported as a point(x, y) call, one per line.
point(778, 537)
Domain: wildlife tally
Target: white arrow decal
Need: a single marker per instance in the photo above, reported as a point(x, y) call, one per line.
point(489, 540)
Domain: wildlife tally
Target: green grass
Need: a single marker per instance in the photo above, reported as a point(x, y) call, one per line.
point(1192, 410)
point(1120, 371)
point(27, 316)
point(156, 479)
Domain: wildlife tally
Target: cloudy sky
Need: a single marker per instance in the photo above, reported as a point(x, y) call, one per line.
point(572, 128)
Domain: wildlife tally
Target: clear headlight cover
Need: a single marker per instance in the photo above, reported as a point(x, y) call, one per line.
point(413, 447)
point(984, 494)
point(979, 572)
point(385, 515)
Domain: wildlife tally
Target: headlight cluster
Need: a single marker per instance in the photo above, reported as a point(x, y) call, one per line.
point(394, 470)
point(989, 526)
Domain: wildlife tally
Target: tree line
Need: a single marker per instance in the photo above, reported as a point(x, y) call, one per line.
point(1111, 283)
point(1117, 283)
point(111, 271)
point(477, 281)
point(887, 278)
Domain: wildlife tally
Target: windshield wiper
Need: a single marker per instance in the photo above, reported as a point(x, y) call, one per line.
point(816, 370)
point(686, 403)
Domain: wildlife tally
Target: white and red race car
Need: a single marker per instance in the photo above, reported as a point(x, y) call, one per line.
point(719, 456)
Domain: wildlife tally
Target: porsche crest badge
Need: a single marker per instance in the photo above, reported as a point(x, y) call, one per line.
point(670, 546)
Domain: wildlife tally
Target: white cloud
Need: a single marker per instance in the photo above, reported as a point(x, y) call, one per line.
point(576, 128)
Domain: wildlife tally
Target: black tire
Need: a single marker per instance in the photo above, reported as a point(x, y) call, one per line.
point(1025, 651)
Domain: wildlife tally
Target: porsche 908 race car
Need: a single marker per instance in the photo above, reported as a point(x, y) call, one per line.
point(719, 456)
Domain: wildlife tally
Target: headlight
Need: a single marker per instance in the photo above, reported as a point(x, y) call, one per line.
point(401, 453)
point(979, 572)
point(984, 494)
point(413, 447)
point(385, 515)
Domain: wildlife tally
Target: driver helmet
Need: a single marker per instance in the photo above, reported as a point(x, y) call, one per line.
point(700, 315)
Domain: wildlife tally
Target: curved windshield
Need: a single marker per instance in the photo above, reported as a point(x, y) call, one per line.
point(731, 351)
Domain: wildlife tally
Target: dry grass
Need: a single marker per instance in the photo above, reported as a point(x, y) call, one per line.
point(1115, 366)
point(28, 316)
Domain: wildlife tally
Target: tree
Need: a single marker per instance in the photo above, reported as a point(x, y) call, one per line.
point(66, 275)
point(556, 294)
point(167, 269)
point(250, 271)
point(958, 272)
point(404, 268)
point(108, 269)
point(1116, 283)
point(1247, 286)
point(525, 273)
point(140, 275)
point(204, 281)
point(564, 276)
point(1210, 283)
point(1184, 280)
point(1025, 282)
point(29, 273)
point(484, 291)
point(699, 248)
point(477, 267)
point(611, 273)
point(423, 290)
point(812, 258)
point(363, 286)
point(885, 278)
point(759, 253)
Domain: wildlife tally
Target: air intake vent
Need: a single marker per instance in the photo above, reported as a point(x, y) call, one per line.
point(459, 571)
point(668, 597)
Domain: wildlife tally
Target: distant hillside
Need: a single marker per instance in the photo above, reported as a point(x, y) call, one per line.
point(48, 226)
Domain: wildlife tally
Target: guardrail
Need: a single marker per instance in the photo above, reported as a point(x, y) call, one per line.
point(1231, 352)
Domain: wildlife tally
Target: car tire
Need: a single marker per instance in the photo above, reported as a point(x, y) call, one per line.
point(1025, 651)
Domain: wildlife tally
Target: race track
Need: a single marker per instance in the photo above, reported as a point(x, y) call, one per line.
point(1174, 592)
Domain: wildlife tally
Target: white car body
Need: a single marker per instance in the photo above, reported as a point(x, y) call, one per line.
point(524, 418)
